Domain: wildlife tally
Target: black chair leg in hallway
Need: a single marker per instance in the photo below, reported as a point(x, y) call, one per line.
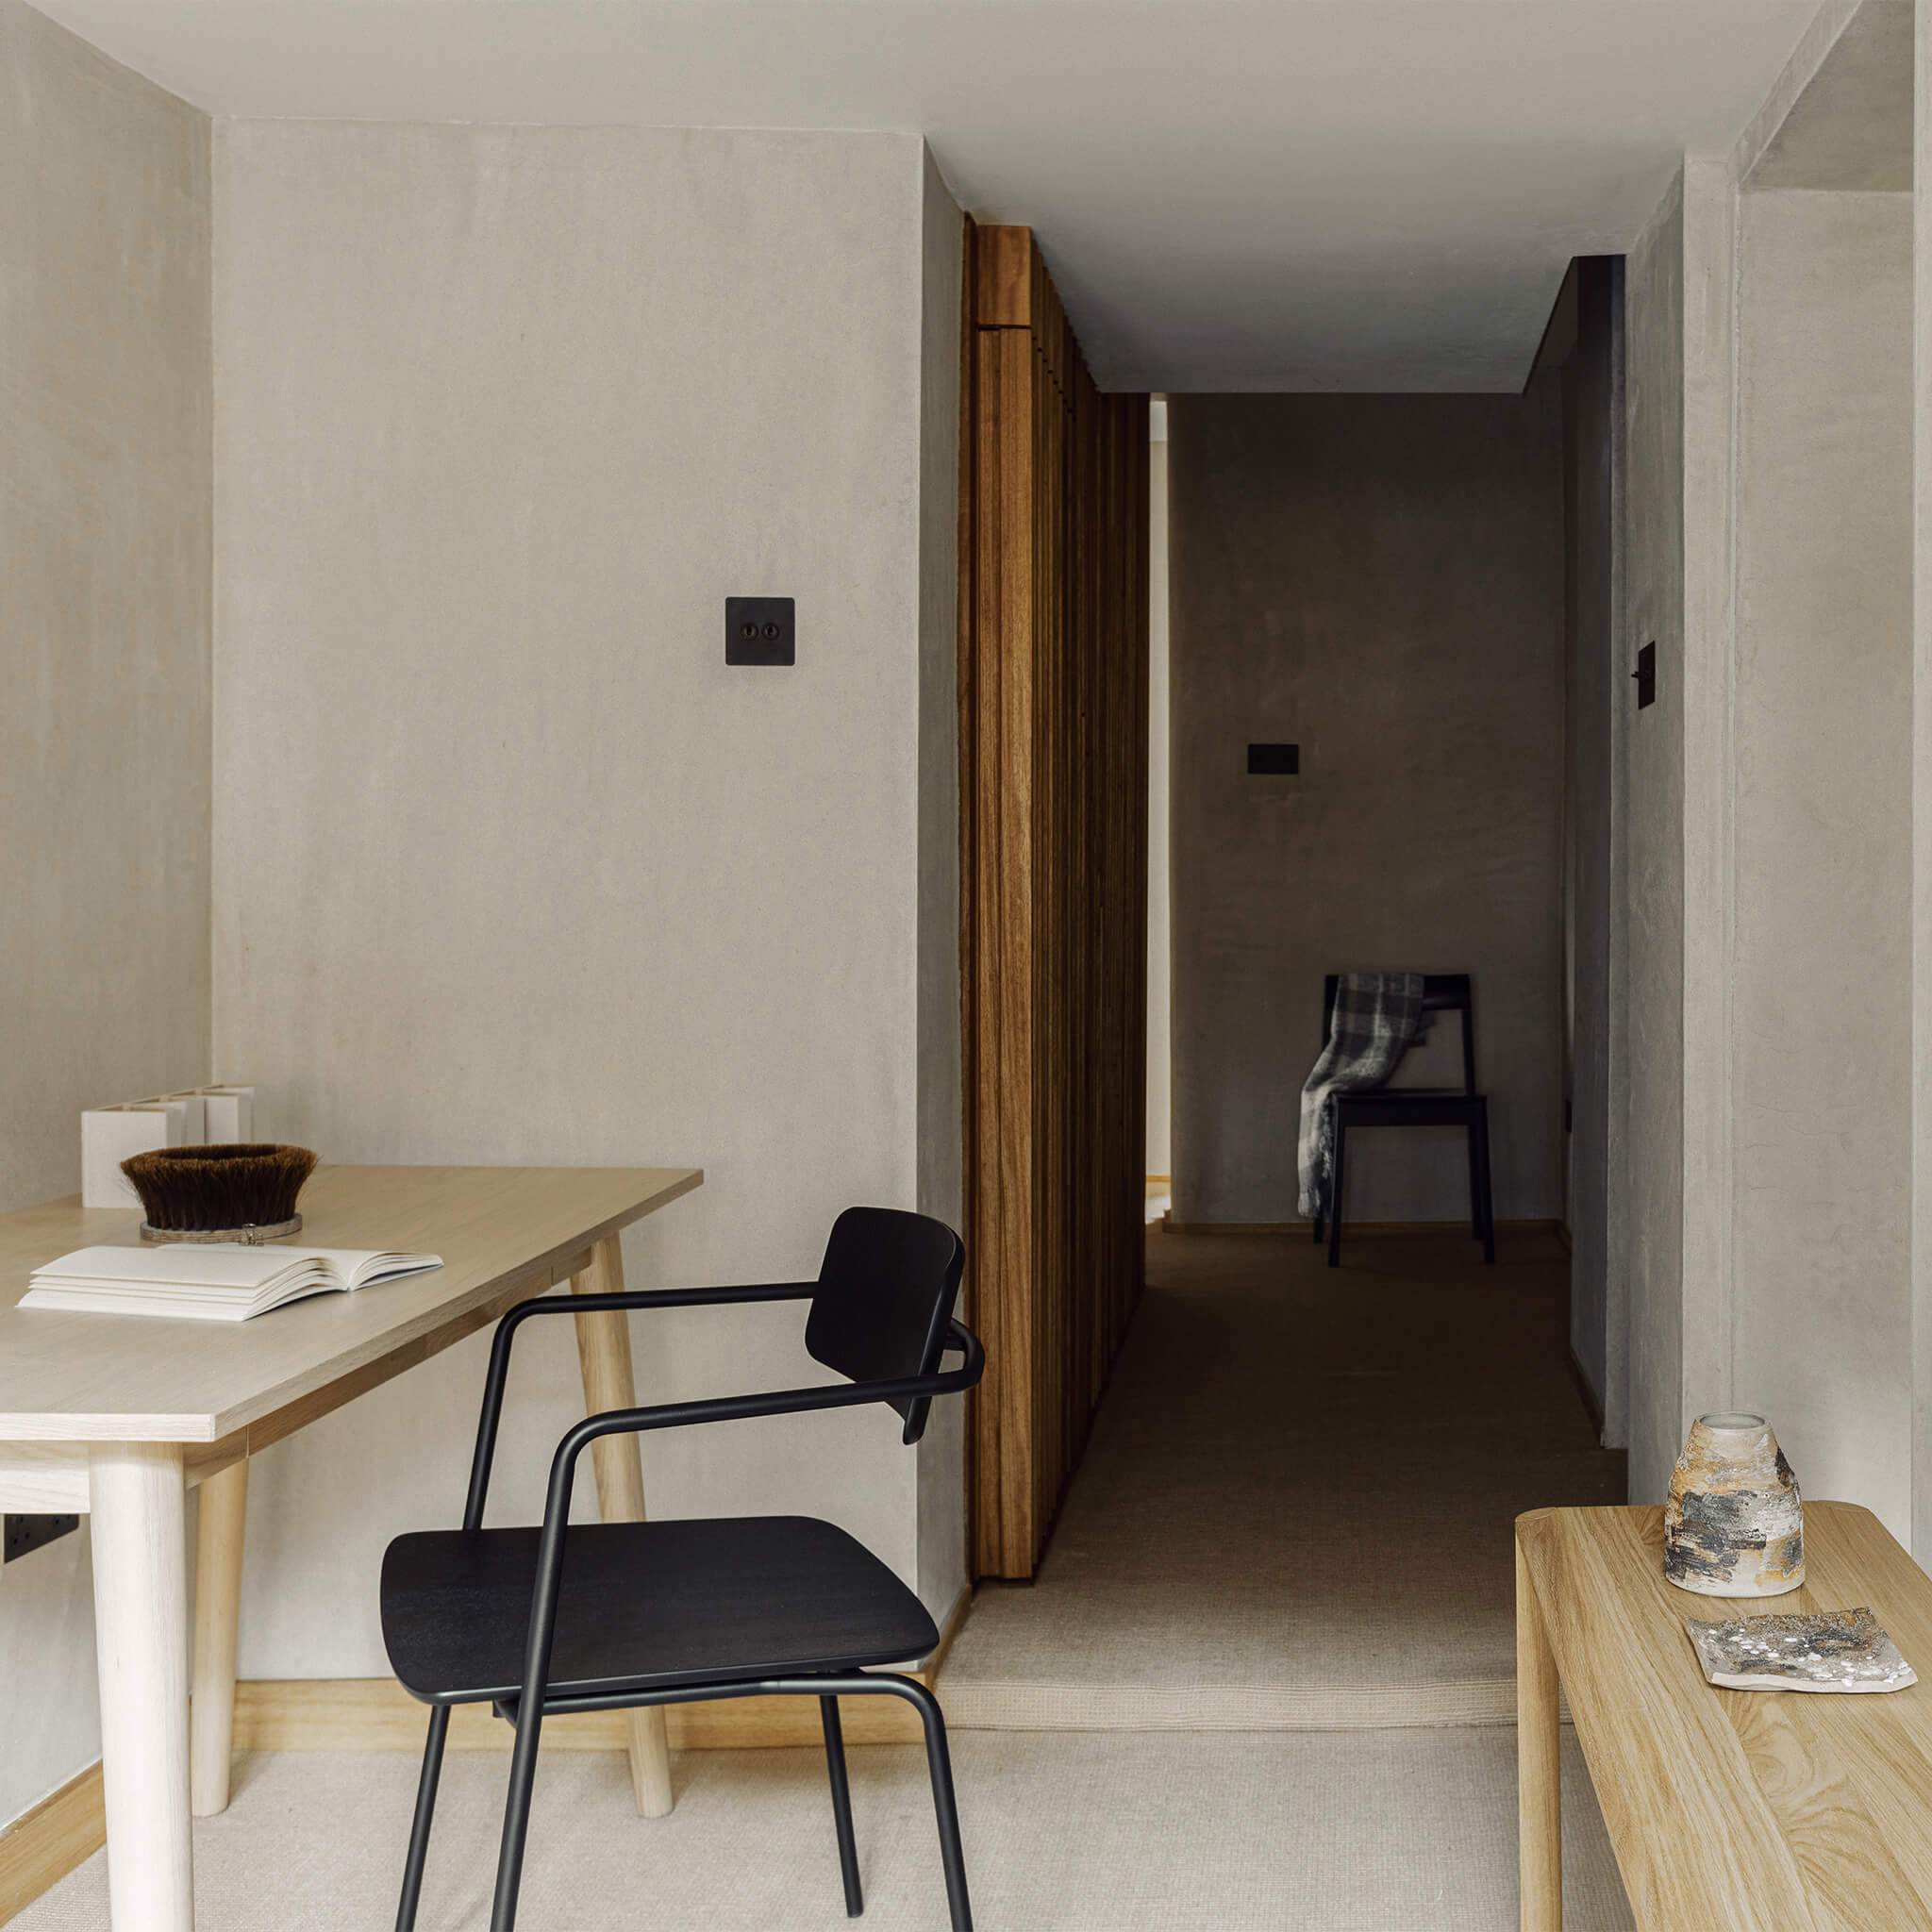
point(842, 1805)
point(425, 1810)
point(1488, 1212)
point(1335, 1220)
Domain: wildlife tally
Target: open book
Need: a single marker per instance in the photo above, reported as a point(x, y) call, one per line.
point(214, 1281)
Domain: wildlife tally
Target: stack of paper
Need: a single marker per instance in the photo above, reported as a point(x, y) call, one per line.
point(210, 1281)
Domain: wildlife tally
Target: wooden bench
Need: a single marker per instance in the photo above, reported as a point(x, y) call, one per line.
point(1781, 1812)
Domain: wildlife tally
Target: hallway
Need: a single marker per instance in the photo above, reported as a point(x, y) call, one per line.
point(1295, 1510)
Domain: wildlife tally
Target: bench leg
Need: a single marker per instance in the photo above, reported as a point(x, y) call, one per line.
point(1539, 1766)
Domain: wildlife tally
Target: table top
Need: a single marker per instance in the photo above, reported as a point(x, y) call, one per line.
point(1799, 1810)
point(503, 1232)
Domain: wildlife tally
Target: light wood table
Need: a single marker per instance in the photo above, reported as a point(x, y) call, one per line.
point(1730, 1810)
point(121, 1415)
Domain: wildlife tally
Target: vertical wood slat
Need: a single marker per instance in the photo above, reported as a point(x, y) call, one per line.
point(1052, 698)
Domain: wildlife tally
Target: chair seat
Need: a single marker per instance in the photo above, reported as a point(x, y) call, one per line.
point(644, 1604)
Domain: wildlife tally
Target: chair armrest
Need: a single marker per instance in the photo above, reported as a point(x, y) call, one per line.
point(726, 1409)
point(673, 1415)
point(589, 1305)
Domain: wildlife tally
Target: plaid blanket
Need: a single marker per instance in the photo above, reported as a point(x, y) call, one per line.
point(1378, 1017)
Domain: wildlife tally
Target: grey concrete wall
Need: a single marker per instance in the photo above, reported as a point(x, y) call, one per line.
point(104, 733)
point(1596, 690)
point(942, 1455)
point(508, 865)
point(1822, 1329)
point(1379, 579)
point(1647, 1146)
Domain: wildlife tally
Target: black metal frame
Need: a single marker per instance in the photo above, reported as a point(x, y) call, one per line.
point(1396, 1107)
point(527, 1716)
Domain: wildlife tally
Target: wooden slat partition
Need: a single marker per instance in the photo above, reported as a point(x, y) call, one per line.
point(1053, 694)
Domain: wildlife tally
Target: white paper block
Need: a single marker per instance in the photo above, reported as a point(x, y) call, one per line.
point(186, 1110)
point(230, 1113)
point(109, 1135)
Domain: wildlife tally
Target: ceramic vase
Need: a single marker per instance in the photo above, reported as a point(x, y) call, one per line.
point(1734, 1525)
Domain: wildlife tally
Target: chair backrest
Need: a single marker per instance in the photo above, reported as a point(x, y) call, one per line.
point(884, 1294)
point(1442, 992)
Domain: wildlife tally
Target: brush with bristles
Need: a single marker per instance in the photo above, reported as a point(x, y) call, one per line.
point(236, 1192)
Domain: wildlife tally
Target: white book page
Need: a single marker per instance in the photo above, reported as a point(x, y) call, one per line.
point(215, 1264)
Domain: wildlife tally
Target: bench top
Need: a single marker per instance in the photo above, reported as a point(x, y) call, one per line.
point(1793, 1810)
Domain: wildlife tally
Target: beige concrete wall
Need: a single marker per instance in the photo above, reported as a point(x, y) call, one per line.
point(1645, 1229)
point(1821, 1337)
point(1596, 690)
point(104, 733)
point(1379, 579)
point(1160, 886)
point(1921, 784)
point(942, 1455)
point(509, 866)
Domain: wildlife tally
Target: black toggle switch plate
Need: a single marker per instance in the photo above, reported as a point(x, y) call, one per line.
point(1274, 760)
point(25, 1532)
point(759, 631)
point(1645, 675)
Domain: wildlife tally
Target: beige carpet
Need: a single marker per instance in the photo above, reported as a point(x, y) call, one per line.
point(1289, 1832)
point(1296, 1511)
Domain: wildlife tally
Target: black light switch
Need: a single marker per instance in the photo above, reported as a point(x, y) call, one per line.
point(759, 631)
point(1645, 675)
point(1274, 760)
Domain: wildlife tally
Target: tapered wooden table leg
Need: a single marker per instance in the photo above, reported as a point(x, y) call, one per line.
point(604, 1351)
point(217, 1627)
point(138, 1497)
point(1539, 1765)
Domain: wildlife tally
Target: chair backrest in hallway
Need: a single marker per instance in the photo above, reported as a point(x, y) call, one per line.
point(1442, 992)
point(884, 1294)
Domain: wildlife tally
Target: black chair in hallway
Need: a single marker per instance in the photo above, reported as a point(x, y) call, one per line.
point(607, 1616)
point(1420, 1106)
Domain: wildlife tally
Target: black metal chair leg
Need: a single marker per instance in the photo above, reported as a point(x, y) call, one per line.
point(940, 1764)
point(1488, 1231)
point(842, 1805)
point(516, 1821)
point(425, 1810)
point(1335, 1204)
point(1320, 1230)
point(1476, 1189)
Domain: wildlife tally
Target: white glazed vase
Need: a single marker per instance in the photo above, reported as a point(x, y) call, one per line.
point(1734, 1523)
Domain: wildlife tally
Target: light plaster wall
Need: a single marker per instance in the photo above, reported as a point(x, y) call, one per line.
point(1921, 786)
point(1159, 893)
point(509, 866)
point(1822, 1328)
point(1596, 690)
point(1380, 580)
point(1645, 1231)
point(104, 733)
point(941, 1453)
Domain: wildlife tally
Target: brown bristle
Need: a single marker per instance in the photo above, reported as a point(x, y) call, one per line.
point(220, 1187)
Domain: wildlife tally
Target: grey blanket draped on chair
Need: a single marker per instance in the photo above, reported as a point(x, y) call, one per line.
point(1377, 1019)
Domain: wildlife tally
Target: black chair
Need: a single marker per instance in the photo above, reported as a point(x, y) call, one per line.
point(1419, 1107)
point(606, 1616)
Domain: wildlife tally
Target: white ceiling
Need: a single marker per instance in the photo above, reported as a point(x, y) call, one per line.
point(1233, 194)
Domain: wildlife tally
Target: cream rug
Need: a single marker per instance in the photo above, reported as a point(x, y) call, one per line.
point(1296, 1509)
point(1289, 1832)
